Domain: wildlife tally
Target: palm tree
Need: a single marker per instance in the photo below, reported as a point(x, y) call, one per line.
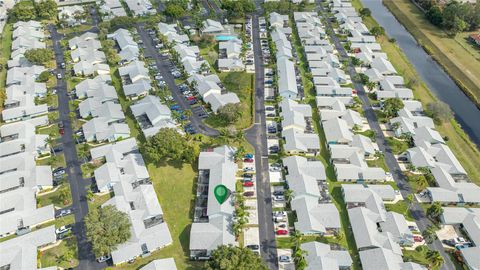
point(288, 194)
point(50, 140)
point(299, 258)
point(239, 153)
point(434, 257)
point(434, 210)
point(429, 234)
point(297, 238)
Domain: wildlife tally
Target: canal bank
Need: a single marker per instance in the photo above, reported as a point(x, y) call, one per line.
point(436, 79)
point(464, 149)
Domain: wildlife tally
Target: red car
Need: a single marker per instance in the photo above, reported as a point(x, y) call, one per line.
point(282, 232)
point(248, 160)
point(191, 98)
point(248, 184)
point(417, 238)
point(62, 131)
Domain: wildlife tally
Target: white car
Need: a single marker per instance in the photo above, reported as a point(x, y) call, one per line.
point(59, 76)
point(279, 198)
point(280, 214)
point(284, 258)
point(62, 229)
point(248, 169)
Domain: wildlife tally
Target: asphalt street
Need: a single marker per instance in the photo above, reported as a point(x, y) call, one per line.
point(163, 67)
point(78, 185)
point(417, 212)
point(256, 136)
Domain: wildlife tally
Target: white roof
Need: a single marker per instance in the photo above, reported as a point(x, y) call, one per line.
point(161, 264)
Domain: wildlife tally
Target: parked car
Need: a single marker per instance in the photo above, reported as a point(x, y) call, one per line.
point(275, 169)
point(61, 131)
point(249, 155)
point(282, 226)
point(58, 173)
point(269, 108)
point(417, 238)
point(248, 160)
point(278, 193)
point(279, 198)
point(248, 184)
point(59, 76)
point(253, 247)
point(64, 212)
point(248, 193)
point(104, 258)
point(63, 229)
point(284, 258)
point(282, 232)
point(248, 169)
point(280, 214)
point(413, 228)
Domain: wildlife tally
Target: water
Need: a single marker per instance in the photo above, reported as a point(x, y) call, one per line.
point(225, 38)
point(466, 113)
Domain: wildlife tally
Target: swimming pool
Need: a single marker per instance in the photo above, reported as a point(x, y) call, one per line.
point(224, 38)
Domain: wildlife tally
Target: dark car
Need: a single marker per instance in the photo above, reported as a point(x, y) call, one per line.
point(278, 192)
point(253, 247)
point(248, 193)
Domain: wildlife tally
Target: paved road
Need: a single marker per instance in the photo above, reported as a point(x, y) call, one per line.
point(256, 136)
point(417, 212)
point(78, 185)
point(163, 67)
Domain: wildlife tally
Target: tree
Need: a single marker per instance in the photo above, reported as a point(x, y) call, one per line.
point(429, 234)
point(63, 195)
point(391, 107)
point(239, 154)
point(434, 258)
point(365, 12)
point(435, 16)
point(299, 258)
point(234, 258)
point(39, 56)
point(106, 228)
point(121, 22)
point(44, 76)
point(168, 144)
point(439, 111)
point(46, 9)
point(377, 31)
point(230, 112)
point(174, 10)
point(22, 11)
point(435, 210)
point(238, 8)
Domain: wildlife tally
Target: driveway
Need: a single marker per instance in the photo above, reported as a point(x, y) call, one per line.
point(78, 185)
point(390, 160)
point(163, 67)
point(256, 136)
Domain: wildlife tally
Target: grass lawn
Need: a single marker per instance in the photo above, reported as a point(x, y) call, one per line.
point(5, 50)
point(397, 146)
point(465, 151)
point(379, 163)
point(240, 83)
point(401, 208)
point(418, 256)
point(175, 186)
point(52, 129)
point(461, 63)
point(58, 162)
point(54, 197)
point(55, 256)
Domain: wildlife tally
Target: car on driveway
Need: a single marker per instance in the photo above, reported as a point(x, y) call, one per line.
point(249, 156)
point(279, 198)
point(58, 173)
point(104, 258)
point(248, 193)
point(64, 212)
point(248, 160)
point(63, 229)
point(284, 258)
point(417, 238)
point(253, 247)
point(59, 76)
point(282, 232)
point(248, 184)
point(248, 169)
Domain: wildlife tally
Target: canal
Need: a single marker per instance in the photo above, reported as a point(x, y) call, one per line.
point(437, 80)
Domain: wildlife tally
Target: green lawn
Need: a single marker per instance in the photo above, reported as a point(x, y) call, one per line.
point(462, 64)
point(418, 256)
point(175, 186)
point(463, 148)
point(56, 256)
point(397, 146)
point(240, 83)
point(379, 163)
point(55, 198)
point(5, 50)
point(401, 208)
point(58, 161)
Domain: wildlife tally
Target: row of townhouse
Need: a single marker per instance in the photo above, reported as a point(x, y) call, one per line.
point(430, 150)
point(111, 9)
point(124, 173)
point(20, 177)
point(286, 73)
point(148, 110)
point(349, 151)
point(229, 55)
point(206, 84)
point(140, 7)
point(379, 234)
point(21, 85)
point(99, 101)
point(86, 54)
point(212, 224)
point(304, 176)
